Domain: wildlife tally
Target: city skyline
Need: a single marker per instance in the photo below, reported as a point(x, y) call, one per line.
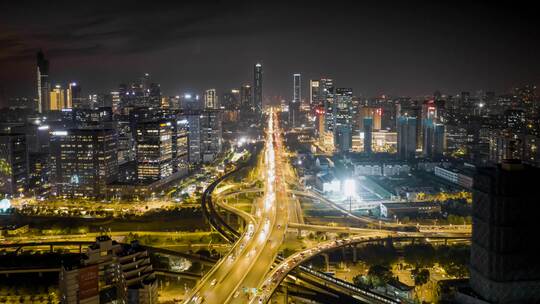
point(411, 51)
point(243, 152)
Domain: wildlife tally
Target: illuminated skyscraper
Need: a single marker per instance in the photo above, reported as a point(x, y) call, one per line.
point(57, 99)
point(43, 84)
point(314, 93)
point(83, 161)
point(154, 150)
point(13, 163)
point(368, 134)
point(210, 99)
point(434, 141)
point(211, 135)
point(327, 96)
point(257, 88)
point(294, 106)
point(245, 97)
point(73, 96)
point(406, 137)
point(343, 119)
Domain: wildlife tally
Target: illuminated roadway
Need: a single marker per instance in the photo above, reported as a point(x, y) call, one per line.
point(245, 266)
point(280, 271)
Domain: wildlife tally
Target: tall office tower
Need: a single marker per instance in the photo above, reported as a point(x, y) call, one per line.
point(416, 112)
point(504, 265)
point(434, 139)
point(13, 163)
point(245, 97)
point(145, 82)
point(343, 119)
point(211, 135)
point(181, 145)
point(43, 84)
point(406, 137)
point(211, 99)
point(375, 113)
point(314, 93)
point(115, 102)
point(154, 96)
point(109, 272)
point(294, 105)
point(153, 151)
point(388, 117)
point(327, 96)
point(368, 134)
point(74, 96)
point(126, 142)
point(194, 137)
point(57, 98)
point(257, 88)
point(230, 100)
point(230, 105)
point(83, 161)
point(190, 102)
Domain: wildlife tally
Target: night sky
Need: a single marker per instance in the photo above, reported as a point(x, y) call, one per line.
point(411, 48)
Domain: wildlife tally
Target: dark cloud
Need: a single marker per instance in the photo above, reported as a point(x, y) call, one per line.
point(402, 48)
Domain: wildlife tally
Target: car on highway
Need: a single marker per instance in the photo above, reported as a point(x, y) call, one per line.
point(213, 283)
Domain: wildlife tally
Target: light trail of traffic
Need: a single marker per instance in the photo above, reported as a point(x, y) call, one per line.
point(252, 256)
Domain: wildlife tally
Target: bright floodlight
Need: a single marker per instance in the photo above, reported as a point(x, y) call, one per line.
point(349, 187)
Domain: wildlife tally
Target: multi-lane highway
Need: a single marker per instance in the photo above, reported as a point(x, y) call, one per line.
point(234, 278)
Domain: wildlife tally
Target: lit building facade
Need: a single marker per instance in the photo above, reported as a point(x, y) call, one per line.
point(406, 140)
point(153, 143)
point(258, 88)
point(13, 163)
point(83, 161)
point(43, 84)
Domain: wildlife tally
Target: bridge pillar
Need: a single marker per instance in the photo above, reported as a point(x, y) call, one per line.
point(51, 248)
point(355, 253)
point(80, 248)
point(326, 261)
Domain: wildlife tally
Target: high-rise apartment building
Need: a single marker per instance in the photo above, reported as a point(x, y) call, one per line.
point(109, 272)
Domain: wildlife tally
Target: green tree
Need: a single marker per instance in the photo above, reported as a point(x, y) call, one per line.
point(379, 275)
point(420, 255)
point(421, 276)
